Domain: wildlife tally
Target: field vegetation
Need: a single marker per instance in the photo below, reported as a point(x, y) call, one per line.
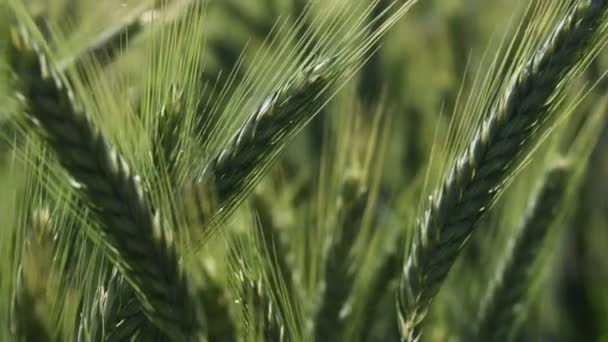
point(303, 170)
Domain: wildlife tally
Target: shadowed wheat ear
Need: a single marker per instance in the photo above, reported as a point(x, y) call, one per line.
point(339, 278)
point(134, 236)
point(27, 325)
point(260, 315)
point(115, 315)
point(499, 308)
point(216, 302)
point(508, 130)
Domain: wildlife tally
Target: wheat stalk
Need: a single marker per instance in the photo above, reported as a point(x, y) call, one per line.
point(146, 256)
point(499, 308)
point(473, 183)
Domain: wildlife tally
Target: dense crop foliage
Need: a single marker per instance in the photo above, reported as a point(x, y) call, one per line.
point(303, 170)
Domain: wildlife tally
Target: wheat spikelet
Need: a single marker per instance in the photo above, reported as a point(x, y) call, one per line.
point(473, 183)
point(498, 310)
point(146, 256)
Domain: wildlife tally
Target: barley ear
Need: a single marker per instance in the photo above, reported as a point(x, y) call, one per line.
point(508, 131)
point(133, 236)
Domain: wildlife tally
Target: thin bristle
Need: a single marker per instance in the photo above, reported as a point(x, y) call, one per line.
point(472, 185)
point(145, 254)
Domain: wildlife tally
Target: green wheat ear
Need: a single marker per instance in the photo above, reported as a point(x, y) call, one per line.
point(145, 254)
point(234, 168)
point(499, 308)
point(471, 186)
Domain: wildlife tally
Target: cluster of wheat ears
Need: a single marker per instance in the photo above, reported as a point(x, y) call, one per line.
point(165, 201)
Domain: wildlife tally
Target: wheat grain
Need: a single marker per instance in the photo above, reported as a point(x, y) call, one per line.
point(145, 254)
point(473, 183)
point(499, 308)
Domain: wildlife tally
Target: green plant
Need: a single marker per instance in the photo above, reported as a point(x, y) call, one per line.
point(260, 171)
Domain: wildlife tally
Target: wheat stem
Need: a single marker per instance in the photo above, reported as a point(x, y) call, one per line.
point(499, 308)
point(146, 256)
point(472, 184)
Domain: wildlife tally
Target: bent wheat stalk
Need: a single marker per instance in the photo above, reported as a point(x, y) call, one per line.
point(507, 132)
point(498, 311)
point(144, 254)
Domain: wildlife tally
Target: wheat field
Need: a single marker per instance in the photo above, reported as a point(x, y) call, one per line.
point(303, 170)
